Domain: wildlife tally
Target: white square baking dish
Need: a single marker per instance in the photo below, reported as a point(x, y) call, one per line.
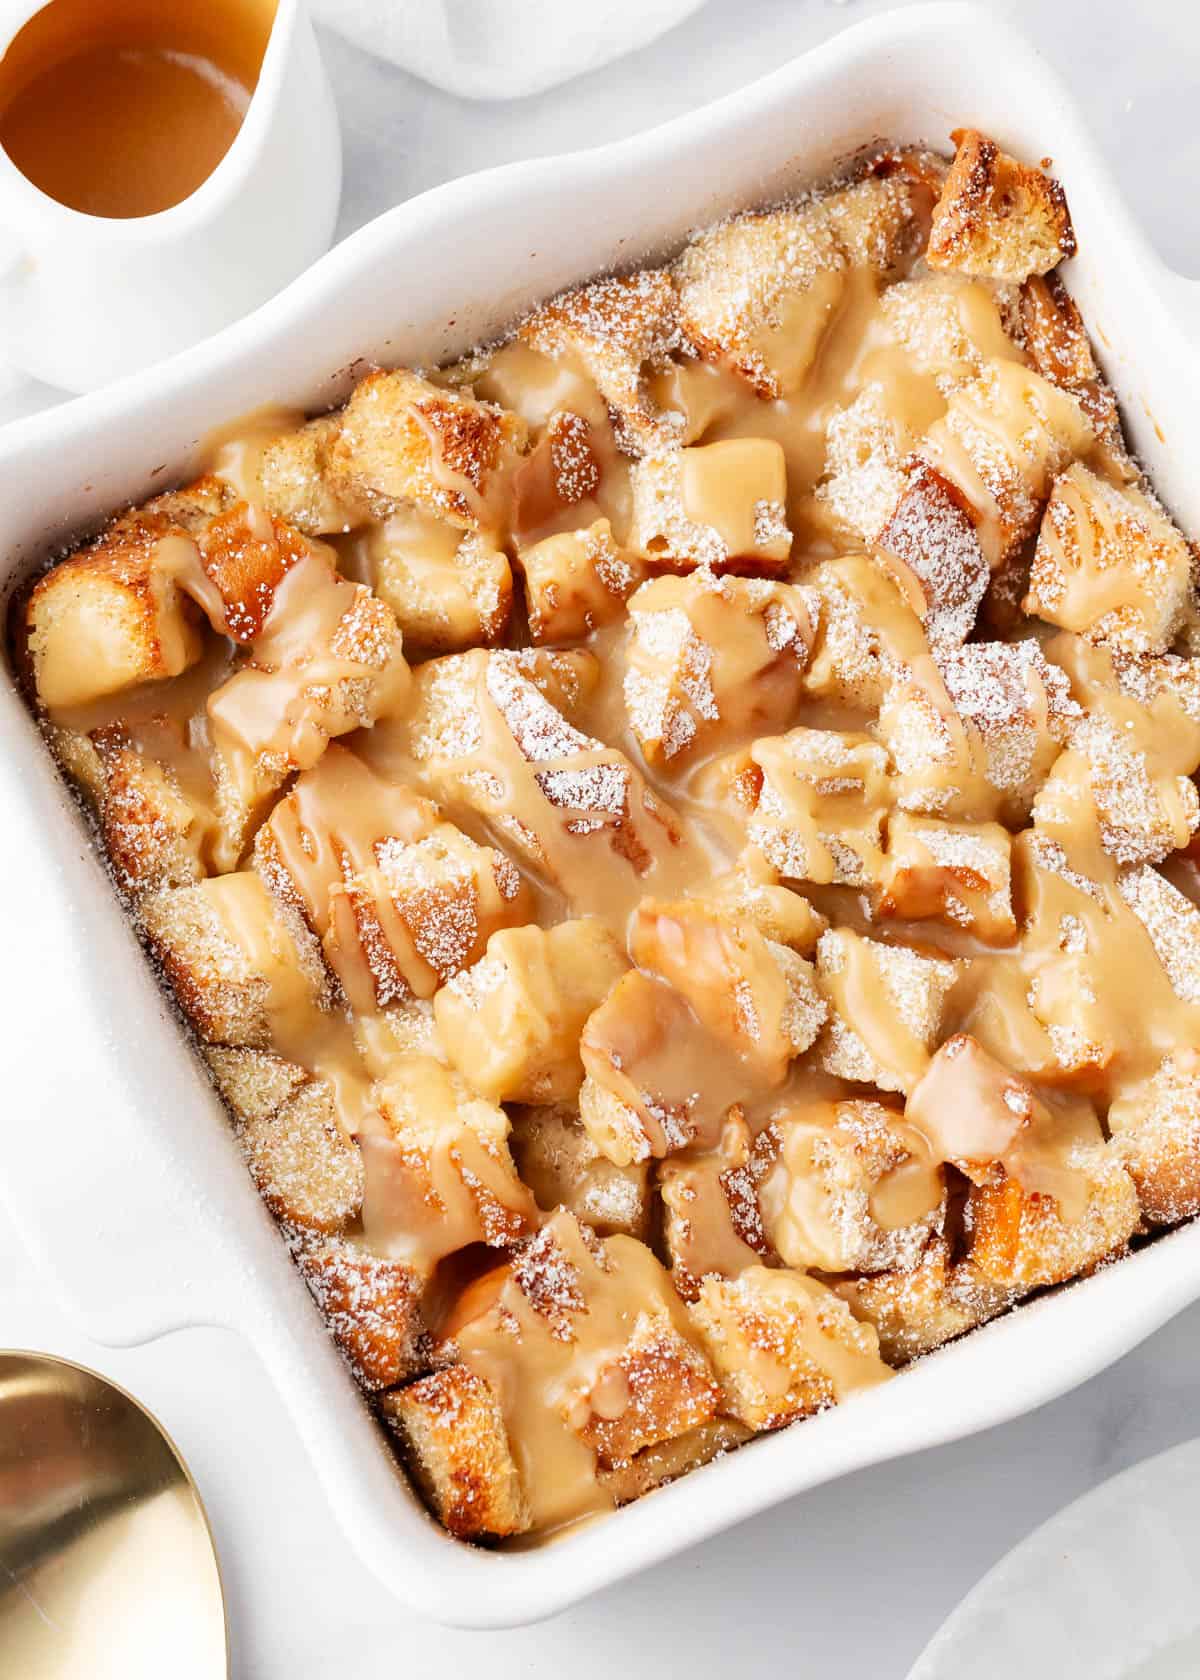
point(117, 1162)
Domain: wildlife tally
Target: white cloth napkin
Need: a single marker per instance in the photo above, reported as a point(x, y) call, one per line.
point(500, 49)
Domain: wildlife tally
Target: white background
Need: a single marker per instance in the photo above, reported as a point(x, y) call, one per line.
point(851, 1579)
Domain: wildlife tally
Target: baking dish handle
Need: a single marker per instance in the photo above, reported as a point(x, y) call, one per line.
point(134, 1244)
point(116, 1165)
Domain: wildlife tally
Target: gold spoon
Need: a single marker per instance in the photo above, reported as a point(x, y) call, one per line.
point(107, 1565)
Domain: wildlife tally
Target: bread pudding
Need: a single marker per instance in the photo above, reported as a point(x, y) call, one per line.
point(674, 835)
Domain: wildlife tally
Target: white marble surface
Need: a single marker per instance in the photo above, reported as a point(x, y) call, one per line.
point(851, 1579)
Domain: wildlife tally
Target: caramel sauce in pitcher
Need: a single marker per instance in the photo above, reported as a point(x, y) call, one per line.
point(121, 108)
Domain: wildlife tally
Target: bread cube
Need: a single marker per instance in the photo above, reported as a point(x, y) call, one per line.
point(784, 1346)
point(866, 444)
point(404, 442)
point(1168, 684)
point(372, 1307)
point(441, 718)
point(665, 1388)
point(758, 998)
point(294, 479)
point(848, 1186)
point(1004, 438)
point(757, 292)
point(915, 1311)
point(309, 1173)
point(711, 1222)
point(868, 634)
point(400, 900)
point(334, 668)
point(930, 532)
point(1017, 707)
point(254, 1083)
point(1110, 564)
point(1057, 345)
point(454, 1443)
point(959, 873)
point(232, 954)
point(576, 809)
point(996, 216)
point(577, 581)
point(156, 833)
point(560, 1163)
point(571, 468)
point(1155, 1128)
point(950, 324)
point(751, 891)
point(643, 1046)
point(599, 1357)
point(112, 616)
point(716, 505)
point(1022, 1240)
point(656, 1466)
point(444, 1178)
point(449, 589)
point(511, 1022)
point(812, 803)
point(1172, 922)
point(711, 657)
point(619, 329)
point(1126, 770)
point(1068, 926)
point(638, 1098)
point(886, 1004)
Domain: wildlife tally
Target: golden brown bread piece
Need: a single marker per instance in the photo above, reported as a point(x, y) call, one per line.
point(1004, 437)
point(444, 1178)
point(1111, 564)
point(111, 617)
point(665, 1462)
point(960, 873)
point(783, 1345)
point(811, 803)
point(888, 1043)
point(577, 581)
point(563, 1167)
point(511, 1022)
point(1020, 1240)
point(915, 1311)
point(720, 505)
point(1155, 1127)
point(217, 976)
point(449, 589)
point(372, 1307)
point(670, 1389)
point(156, 833)
point(757, 292)
point(998, 217)
point(309, 1173)
point(712, 658)
point(404, 442)
point(1058, 346)
point(294, 479)
point(451, 1432)
point(619, 330)
point(401, 900)
point(828, 1176)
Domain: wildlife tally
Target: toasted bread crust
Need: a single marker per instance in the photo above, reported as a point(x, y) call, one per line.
point(451, 1433)
point(998, 217)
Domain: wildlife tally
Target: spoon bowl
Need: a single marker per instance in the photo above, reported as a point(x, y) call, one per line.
point(107, 1563)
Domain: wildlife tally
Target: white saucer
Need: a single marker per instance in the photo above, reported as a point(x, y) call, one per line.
point(1109, 1589)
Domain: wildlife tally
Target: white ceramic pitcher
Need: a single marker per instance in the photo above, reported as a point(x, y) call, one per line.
point(84, 299)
